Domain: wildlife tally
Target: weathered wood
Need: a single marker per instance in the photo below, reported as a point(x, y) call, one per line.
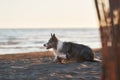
point(109, 19)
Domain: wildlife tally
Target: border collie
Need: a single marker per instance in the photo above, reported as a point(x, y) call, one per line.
point(69, 50)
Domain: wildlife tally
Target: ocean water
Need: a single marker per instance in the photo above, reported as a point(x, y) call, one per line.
point(32, 40)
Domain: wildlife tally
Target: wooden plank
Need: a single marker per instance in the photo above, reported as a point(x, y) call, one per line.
point(109, 19)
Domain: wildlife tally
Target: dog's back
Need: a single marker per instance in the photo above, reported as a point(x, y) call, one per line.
point(78, 51)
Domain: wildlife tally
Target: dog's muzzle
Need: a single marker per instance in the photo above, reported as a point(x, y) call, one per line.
point(46, 45)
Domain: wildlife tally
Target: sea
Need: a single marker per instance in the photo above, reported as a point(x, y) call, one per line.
point(14, 41)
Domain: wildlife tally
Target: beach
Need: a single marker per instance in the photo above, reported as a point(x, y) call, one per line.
point(39, 66)
point(23, 56)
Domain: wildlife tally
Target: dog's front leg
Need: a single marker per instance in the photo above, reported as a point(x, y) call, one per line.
point(57, 59)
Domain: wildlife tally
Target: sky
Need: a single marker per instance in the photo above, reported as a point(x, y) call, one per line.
point(48, 14)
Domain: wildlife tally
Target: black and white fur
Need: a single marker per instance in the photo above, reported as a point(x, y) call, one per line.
point(69, 50)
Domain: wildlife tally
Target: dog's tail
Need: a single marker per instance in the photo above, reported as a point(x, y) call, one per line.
point(95, 60)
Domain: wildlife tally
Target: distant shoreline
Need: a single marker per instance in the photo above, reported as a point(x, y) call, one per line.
point(30, 55)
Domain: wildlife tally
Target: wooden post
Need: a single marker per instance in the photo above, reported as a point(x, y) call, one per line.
point(109, 18)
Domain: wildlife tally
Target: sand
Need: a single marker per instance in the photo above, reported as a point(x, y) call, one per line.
point(39, 66)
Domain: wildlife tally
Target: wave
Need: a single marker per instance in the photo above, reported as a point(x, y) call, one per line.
point(27, 40)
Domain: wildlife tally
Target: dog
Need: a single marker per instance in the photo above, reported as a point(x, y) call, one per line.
point(69, 50)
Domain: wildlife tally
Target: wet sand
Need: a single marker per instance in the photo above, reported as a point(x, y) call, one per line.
point(39, 66)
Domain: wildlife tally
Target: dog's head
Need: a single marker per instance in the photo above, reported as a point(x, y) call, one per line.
point(52, 43)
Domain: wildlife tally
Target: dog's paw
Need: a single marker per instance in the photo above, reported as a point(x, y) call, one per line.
point(56, 61)
point(63, 61)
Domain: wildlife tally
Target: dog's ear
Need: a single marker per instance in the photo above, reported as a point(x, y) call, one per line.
point(51, 35)
point(54, 37)
point(54, 34)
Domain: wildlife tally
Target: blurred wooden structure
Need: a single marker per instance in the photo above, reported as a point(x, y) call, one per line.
point(109, 18)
